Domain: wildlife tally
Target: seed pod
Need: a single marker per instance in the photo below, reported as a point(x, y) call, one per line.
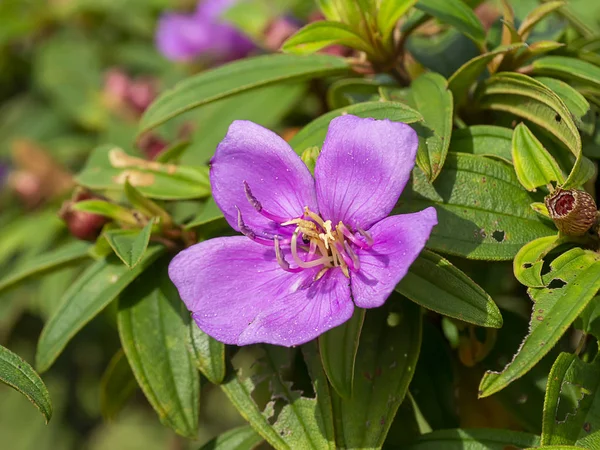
point(573, 212)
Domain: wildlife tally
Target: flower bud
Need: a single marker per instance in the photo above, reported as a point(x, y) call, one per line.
point(573, 212)
point(81, 224)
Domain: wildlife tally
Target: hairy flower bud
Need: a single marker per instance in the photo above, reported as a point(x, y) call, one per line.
point(83, 225)
point(573, 212)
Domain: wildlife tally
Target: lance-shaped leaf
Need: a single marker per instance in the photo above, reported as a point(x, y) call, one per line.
point(483, 211)
point(154, 331)
point(18, 374)
point(350, 91)
point(430, 96)
point(529, 262)
point(434, 283)
point(572, 403)
point(117, 385)
point(237, 77)
point(130, 245)
point(313, 134)
point(484, 140)
point(47, 262)
point(476, 439)
point(574, 279)
point(209, 353)
point(536, 16)
point(569, 68)
point(242, 438)
point(534, 165)
point(97, 286)
point(385, 364)
point(210, 213)
point(317, 35)
point(457, 14)
point(338, 349)
point(390, 11)
point(576, 102)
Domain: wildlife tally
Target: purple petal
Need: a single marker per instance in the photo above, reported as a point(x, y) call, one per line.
point(181, 37)
point(213, 9)
point(276, 176)
point(398, 240)
point(238, 294)
point(363, 168)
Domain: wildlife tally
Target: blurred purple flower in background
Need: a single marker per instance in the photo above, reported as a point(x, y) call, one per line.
point(313, 248)
point(202, 34)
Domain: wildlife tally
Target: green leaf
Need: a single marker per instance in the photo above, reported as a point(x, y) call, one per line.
point(576, 275)
point(476, 439)
point(430, 96)
point(317, 35)
point(588, 321)
point(572, 405)
point(483, 212)
point(534, 165)
point(237, 77)
point(46, 262)
point(529, 262)
point(457, 14)
point(350, 91)
point(209, 354)
point(484, 140)
point(434, 283)
point(108, 168)
point(154, 330)
point(338, 349)
point(537, 15)
point(107, 209)
point(130, 245)
point(99, 285)
point(385, 363)
point(467, 75)
point(210, 213)
point(313, 134)
point(242, 438)
point(116, 386)
point(146, 206)
point(568, 68)
point(389, 13)
point(576, 102)
point(18, 374)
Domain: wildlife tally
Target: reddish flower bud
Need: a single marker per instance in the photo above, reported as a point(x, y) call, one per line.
point(83, 225)
point(573, 212)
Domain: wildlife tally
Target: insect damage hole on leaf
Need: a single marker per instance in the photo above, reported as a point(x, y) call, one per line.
point(556, 283)
point(569, 399)
point(499, 235)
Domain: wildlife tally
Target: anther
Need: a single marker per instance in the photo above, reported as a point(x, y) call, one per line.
point(353, 256)
point(281, 259)
point(367, 236)
point(348, 234)
point(249, 233)
point(258, 206)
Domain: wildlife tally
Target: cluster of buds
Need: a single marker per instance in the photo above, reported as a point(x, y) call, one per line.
point(573, 212)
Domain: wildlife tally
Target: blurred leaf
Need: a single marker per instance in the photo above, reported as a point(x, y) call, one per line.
point(569, 68)
point(317, 35)
point(483, 212)
point(457, 14)
point(210, 213)
point(434, 283)
point(588, 321)
point(529, 261)
point(116, 386)
point(152, 179)
point(573, 280)
point(106, 209)
point(18, 374)
point(430, 96)
point(465, 77)
point(313, 134)
point(209, 354)
point(350, 91)
point(476, 439)
point(571, 408)
point(235, 78)
point(534, 166)
point(130, 245)
point(537, 15)
point(99, 285)
point(338, 349)
point(146, 206)
point(154, 331)
point(389, 13)
point(242, 438)
point(484, 140)
point(387, 354)
point(47, 262)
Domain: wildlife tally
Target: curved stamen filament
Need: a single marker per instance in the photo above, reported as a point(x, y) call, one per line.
point(305, 264)
point(355, 266)
point(348, 234)
point(281, 259)
point(258, 206)
point(367, 236)
point(249, 233)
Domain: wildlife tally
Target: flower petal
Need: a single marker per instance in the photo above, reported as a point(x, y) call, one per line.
point(303, 315)
point(363, 168)
point(181, 37)
point(276, 176)
point(233, 285)
point(397, 241)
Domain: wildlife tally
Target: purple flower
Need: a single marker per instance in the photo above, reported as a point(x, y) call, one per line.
point(313, 247)
point(202, 34)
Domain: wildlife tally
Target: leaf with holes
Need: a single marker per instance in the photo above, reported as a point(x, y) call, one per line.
point(534, 165)
point(573, 280)
point(528, 263)
point(484, 140)
point(483, 211)
point(236, 77)
point(209, 353)
point(338, 349)
point(572, 69)
point(154, 330)
point(434, 283)
point(572, 403)
point(385, 364)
